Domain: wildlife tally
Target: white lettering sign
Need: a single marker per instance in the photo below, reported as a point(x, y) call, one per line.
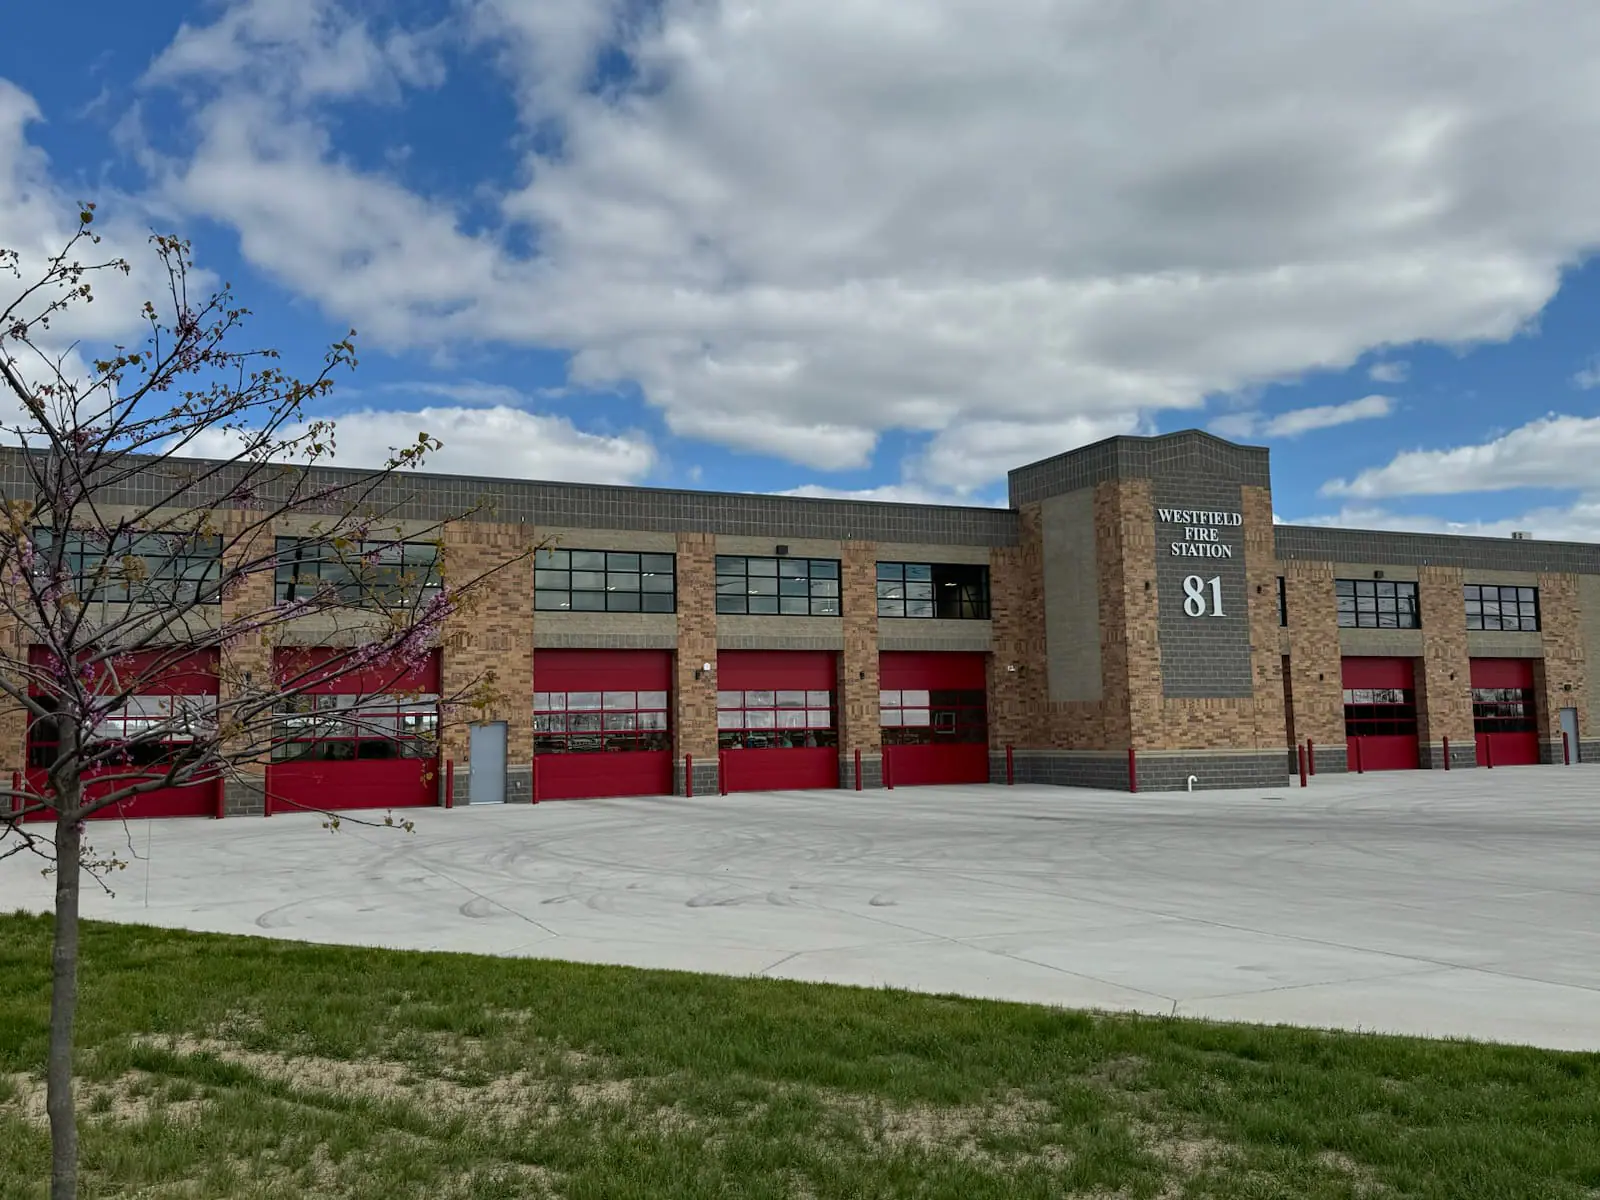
point(1202, 531)
point(1194, 596)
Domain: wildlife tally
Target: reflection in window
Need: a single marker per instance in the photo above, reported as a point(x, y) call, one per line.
point(911, 717)
point(155, 568)
point(1380, 712)
point(595, 722)
point(791, 587)
point(358, 574)
point(1494, 607)
point(603, 581)
point(1376, 604)
point(947, 591)
point(1504, 710)
point(779, 719)
point(327, 728)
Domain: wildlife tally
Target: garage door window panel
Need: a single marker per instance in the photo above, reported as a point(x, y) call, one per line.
point(335, 728)
point(913, 717)
point(598, 722)
point(1380, 712)
point(1504, 710)
point(786, 719)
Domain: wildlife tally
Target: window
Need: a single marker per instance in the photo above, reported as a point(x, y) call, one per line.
point(920, 718)
point(155, 568)
point(603, 581)
point(775, 720)
point(948, 591)
point(1376, 604)
point(310, 728)
point(1503, 710)
point(790, 587)
point(1493, 607)
point(152, 729)
point(358, 574)
point(590, 722)
point(1283, 602)
point(1380, 712)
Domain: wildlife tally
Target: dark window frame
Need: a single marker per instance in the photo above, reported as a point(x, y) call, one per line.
point(612, 581)
point(1380, 712)
point(933, 591)
point(1504, 710)
point(1524, 600)
point(308, 563)
point(1377, 604)
point(743, 591)
point(197, 567)
point(1283, 602)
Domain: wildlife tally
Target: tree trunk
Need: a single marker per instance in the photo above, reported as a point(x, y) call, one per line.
point(64, 1008)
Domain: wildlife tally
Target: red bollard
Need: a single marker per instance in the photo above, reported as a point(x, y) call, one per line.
point(1356, 743)
point(722, 772)
point(1133, 771)
point(222, 797)
point(1300, 753)
point(1566, 750)
point(1488, 751)
point(1011, 768)
point(449, 783)
point(16, 792)
point(1446, 754)
point(858, 768)
point(533, 780)
point(888, 775)
point(688, 776)
point(1311, 756)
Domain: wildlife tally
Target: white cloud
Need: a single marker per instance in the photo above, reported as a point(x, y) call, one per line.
point(497, 442)
point(1589, 376)
point(812, 221)
point(889, 493)
point(1551, 452)
point(1576, 522)
point(1393, 371)
point(1302, 420)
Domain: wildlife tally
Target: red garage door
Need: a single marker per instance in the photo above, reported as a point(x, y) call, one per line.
point(601, 724)
point(1503, 713)
point(355, 738)
point(148, 728)
point(776, 728)
point(934, 717)
point(1380, 713)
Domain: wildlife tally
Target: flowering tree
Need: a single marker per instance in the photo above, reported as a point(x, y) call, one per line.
point(148, 596)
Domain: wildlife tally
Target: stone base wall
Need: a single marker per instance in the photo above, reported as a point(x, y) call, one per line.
point(1158, 771)
point(244, 798)
point(1463, 755)
point(871, 771)
point(706, 782)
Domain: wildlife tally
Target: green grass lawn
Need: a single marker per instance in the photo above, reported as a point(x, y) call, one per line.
point(223, 1066)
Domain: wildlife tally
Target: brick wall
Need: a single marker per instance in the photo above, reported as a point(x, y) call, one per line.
point(695, 721)
point(858, 664)
point(488, 645)
point(1016, 604)
point(247, 658)
point(1444, 676)
point(1314, 657)
point(1562, 680)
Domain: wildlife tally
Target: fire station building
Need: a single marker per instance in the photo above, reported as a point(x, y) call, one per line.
point(1134, 620)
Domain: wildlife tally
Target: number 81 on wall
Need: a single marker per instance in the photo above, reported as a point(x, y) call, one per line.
point(1194, 596)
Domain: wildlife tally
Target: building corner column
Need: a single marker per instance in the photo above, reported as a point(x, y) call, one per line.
point(694, 720)
point(860, 730)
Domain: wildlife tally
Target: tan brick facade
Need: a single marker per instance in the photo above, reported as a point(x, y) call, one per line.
point(695, 703)
point(858, 664)
point(1314, 658)
point(1444, 676)
point(1016, 604)
point(1562, 678)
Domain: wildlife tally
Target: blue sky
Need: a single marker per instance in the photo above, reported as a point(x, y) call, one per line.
point(848, 247)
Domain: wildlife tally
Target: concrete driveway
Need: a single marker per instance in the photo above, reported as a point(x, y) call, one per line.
point(1465, 903)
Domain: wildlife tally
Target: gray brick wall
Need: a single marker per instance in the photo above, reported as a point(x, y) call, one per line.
point(1188, 450)
point(1205, 656)
point(1315, 544)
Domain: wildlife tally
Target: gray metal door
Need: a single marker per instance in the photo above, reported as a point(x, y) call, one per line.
point(486, 752)
point(1569, 726)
